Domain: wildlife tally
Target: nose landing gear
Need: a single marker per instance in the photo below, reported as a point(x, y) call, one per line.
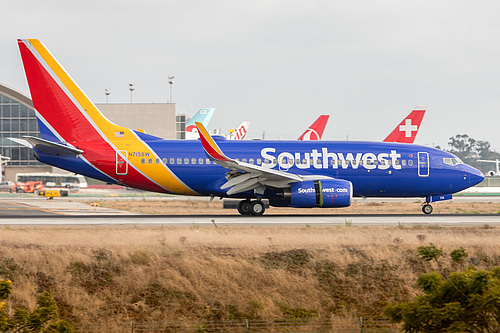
point(248, 207)
point(426, 208)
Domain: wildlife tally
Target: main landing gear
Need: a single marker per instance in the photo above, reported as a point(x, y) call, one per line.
point(251, 207)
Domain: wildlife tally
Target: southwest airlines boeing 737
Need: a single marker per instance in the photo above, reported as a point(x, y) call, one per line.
point(75, 136)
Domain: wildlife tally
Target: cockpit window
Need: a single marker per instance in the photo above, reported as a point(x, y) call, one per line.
point(452, 160)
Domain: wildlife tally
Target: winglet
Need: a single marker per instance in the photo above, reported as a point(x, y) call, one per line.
point(210, 146)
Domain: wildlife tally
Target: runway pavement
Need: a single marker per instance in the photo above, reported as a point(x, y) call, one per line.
point(40, 207)
point(38, 212)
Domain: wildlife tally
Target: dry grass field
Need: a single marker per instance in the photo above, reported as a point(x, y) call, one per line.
point(115, 275)
point(197, 207)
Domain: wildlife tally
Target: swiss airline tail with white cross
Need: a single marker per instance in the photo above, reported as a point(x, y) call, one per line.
point(407, 130)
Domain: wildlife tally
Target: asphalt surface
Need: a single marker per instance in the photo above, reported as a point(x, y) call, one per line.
point(38, 212)
point(15, 209)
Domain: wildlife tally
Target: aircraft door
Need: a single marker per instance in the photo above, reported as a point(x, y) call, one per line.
point(121, 163)
point(423, 164)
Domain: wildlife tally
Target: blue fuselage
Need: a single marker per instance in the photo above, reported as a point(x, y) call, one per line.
point(375, 169)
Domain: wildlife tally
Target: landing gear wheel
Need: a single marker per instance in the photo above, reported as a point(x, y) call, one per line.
point(427, 209)
point(244, 207)
point(257, 208)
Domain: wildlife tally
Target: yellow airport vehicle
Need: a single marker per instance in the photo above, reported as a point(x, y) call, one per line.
point(51, 194)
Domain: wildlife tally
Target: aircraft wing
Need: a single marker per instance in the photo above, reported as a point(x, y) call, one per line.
point(47, 146)
point(243, 176)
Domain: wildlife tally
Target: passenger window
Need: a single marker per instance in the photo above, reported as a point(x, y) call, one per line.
point(186, 161)
point(172, 161)
point(259, 161)
point(244, 160)
point(193, 161)
point(150, 161)
point(179, 161)
point(403, 162)
point(165, 160)
point(143, 161)
point(250, 161)
point(157, 161)
point(200, 161)
point(410, 162)
point(208, 161)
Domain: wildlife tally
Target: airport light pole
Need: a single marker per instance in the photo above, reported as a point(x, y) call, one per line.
point(171, 83)
point(131, 88)
point(3, 159)
point(107, 92)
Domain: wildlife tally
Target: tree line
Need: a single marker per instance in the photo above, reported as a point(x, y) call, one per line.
point(471, 150)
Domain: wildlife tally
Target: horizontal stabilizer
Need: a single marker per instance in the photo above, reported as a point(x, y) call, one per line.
point(48, 146)
point(22, 142)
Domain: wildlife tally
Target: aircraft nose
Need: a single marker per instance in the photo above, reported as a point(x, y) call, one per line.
point(475, 176)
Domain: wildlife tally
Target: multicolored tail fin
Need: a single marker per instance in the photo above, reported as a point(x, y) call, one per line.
point(77, 137)
point(315, 131)
point(202, 116)
point(407, 130)
point(77, 119)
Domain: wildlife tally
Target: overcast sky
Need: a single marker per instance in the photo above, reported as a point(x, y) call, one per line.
point(279, 64)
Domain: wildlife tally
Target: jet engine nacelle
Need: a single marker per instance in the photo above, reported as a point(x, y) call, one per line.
point(320, 193)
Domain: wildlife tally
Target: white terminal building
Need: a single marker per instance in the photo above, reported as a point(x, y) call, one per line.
point(17, 119)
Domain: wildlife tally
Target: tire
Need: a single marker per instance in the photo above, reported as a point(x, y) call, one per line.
point(257, 208)
point(244, 207)
point(427, 209)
